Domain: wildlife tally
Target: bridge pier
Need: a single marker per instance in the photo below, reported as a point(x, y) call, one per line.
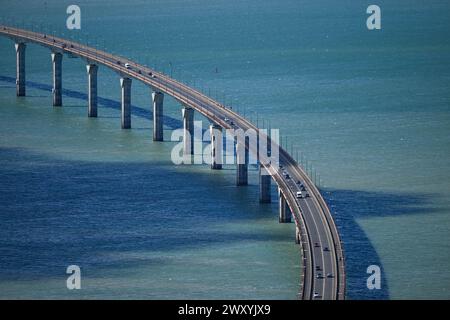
point(284, 211)
point(20, 69)
point(158, 114)
point(125, 84)
point(188, 125)
point(216, 146)
point(57, 79)
point(92, 89)
point(298, 238)
point(264, 185)
point(242, 161)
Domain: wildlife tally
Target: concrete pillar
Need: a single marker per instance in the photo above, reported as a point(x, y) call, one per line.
point(285, 212)
point(125, 84)
point(20, 69)
point(298, 238)
point(57, 79)
point(92, 89)
point(242, 162)
point(188, 125)
point(216, 146)
point(158, 113)
point(264, 185)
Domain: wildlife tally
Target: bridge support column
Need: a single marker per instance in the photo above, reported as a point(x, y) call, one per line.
point(92, 89)
point(285, 212)
point(298, 238)
point(125, 84)
point(264, 185)
point(57, 79)
point(242, 162)
point(157, 101)
point(188, 124)
point(216, 146)
point(20, 69)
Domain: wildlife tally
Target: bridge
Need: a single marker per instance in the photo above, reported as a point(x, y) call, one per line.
point(323, 268)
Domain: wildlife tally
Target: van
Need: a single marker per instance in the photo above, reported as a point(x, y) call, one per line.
point(299, 195)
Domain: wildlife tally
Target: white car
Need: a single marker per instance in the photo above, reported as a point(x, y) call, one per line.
point(299, 195)
point(127, 65)
point(316, 295)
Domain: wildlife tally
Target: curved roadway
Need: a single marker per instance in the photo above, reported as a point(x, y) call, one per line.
point(323, 272)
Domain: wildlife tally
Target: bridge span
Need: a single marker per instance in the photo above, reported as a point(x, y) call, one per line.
point(323, 268)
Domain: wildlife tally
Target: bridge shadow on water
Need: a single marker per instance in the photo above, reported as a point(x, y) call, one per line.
point(54, 211)
point(348, 206)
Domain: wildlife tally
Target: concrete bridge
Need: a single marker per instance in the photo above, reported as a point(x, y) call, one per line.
point(323, 270)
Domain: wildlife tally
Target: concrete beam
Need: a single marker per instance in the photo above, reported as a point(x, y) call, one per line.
point(264, 185)
point(20, 69)
point(92, 89)
point(158, 114)
point(188, 126)
point(216, 146)
point(284, 211)
point(57, 79)
point(125, 84)
point(298, 238)
point(242, 162)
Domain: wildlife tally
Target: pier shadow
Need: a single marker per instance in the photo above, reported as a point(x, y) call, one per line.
point(169, 122)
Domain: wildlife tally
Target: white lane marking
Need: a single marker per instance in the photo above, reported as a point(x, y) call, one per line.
point(320, 241)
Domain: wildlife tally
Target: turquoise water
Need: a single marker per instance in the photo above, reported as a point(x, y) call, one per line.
point(369, 109)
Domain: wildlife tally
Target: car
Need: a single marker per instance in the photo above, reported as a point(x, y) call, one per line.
point(232, 123)
point(127, 65)
point(329, 275)
point(150, 74)
point(226, 119)
point(287, 176)
point(316, 244)
point(139, 71)
point(317, 268)
point(326, 249)
point(319, 276)
point(299, 182)
point(299, 195)
point(306, 195)
point(302, 187)
point(316, 295)
point(64, 45)
point(153, 76)
point(118, 62)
